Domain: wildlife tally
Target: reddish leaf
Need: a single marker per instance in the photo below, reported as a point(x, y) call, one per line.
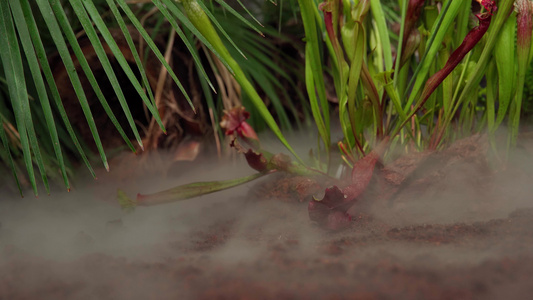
point(410, 46)
point(471, 39)
point(524, 24)
point(362, 173)
point(234, 121)
point(262, 161)
point(329, 8)
point(489, 5)
point(331, 211)
point(256, 160)
point(326, 8)
point(411, 18)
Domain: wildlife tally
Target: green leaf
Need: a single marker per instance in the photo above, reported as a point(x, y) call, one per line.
point(43, 60)
point(12, 62)
point(385, 79)
point(263, 80)
point(492, 93)
point(397, 70)
point(102, 27)
point(499, 18)
point(381, 25)
point(125, 31)
point(505, 57)
point(314, 78)
point(357, 38)
point(230, 9)
point(463, 20)
point(7, 153)
point(524, 32)
point(108, 69)
point(57, 36)
point(438, 32)
point(207, 38)
point(241, 18)
point(220, 28)
point(188, 44)
point(152, 46)
point(183, 192)
point(33, 64)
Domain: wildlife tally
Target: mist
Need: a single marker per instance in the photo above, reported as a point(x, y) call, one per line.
point(76, 237)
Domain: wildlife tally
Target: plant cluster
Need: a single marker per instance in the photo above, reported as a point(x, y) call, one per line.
point(417, 95)
point(407, 74)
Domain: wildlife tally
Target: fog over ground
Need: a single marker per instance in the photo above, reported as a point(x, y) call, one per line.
point(56, 225)
point(67, 226)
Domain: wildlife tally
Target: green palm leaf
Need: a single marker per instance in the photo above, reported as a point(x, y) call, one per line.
point(13, 70)
point(17, 17)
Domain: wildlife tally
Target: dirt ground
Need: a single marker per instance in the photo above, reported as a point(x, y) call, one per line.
point(462, 236)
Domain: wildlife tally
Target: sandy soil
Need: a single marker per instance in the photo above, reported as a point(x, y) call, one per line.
point(461, 236)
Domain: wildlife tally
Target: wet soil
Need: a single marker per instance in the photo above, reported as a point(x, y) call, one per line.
point(426, 243)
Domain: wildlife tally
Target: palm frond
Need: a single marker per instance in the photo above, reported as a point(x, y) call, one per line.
point(21, 65)
point(36, 129)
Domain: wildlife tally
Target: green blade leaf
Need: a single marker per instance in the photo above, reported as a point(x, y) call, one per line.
point(7, 153)
point(204, 38)
point(266, 85)
point(236, 14)
point(57, 36)
point(443, 23)
point(27, 114)
point(220, 28)
point(33, 64)
point(313, 72)
point(12, 62)
point(149, 42)
point(192, 50)
point(183, 192)
point(41, 55)
point(69, 33)
point(505, 56)
point(499, 19)
point(381, 24)
point(108, 69)
point(474, 78)
point(133, 49)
